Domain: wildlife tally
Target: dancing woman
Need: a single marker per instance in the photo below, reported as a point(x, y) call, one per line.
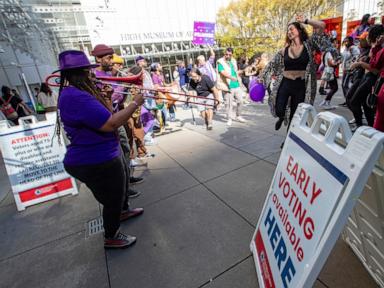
point(293, 69)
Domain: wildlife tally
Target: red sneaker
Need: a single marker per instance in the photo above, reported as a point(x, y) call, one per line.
point(131, 213)
point(119, 241)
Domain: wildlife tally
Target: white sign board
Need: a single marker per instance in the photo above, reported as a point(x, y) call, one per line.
point(316, 182)
point(34, 161)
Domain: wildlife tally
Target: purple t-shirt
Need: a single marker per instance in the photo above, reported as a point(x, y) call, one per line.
point(83, 116)
point(158, 79)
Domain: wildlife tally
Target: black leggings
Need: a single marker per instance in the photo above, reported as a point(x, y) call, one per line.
point(347, 76)
point(358, 97)
point(333, 88)
point(107, 181)
point(289, 88)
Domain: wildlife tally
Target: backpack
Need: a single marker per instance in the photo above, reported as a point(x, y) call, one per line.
point(8, 110)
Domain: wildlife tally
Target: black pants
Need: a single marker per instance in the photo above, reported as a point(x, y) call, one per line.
point(358, 99)
point(333, 88)
point(107, 181)
point(345, 82)
point(289, 88)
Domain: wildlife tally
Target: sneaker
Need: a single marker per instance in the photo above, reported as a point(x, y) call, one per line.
point(328, 106)
point(241, 119)
point(135, 180)
point(352, 121)
point(130, 213)
point(119, 241)
point(134, 163)
point(209, 127)
point(322, 103)
point(133, 193)
point(146, 156)
point(343, 104)
point(229, 122)
point(150, 142)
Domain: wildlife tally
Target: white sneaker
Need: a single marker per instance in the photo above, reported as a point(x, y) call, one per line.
point(229, 122)
point(151, 142)
point(146, 156)
point(134, 163)
point(241, 119)
point(322, 103)
point(328, 106)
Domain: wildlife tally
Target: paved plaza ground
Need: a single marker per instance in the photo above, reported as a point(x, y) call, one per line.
point(202, 195)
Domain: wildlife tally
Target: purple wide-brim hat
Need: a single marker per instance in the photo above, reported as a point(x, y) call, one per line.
point(74, 59)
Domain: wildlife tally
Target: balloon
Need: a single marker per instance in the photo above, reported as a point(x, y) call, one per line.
point(256, 91)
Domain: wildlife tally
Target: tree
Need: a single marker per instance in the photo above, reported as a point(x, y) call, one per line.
point(260, 25)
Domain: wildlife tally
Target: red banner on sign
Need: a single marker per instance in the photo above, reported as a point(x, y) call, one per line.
point(263, 261)
point(45, 190)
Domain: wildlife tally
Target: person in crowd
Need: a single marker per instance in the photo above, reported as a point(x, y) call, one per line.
point(206, 67)
point(94, 154)
point(36, 91)
point(160, 84)
point(363, 27)
point(204, 87)
point(135, 127)
point(350, 55)
point(13, 106)
point(47, 98)
point(104, 57)
point(228, 81)
point(243, 65)
point(359, 94)
point(117, 65)
point(293, 70)
point(377, 62)
point(183, 72)
point(149, 103)
point(329, 76)
point(176, 75)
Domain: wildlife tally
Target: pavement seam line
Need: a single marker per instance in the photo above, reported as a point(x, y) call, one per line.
point(322, 282)
point(106, 266)
point(41, 245)
point(209, 190)
point(225, 271)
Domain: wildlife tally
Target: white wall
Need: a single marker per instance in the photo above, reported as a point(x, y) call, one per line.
point(148, 21)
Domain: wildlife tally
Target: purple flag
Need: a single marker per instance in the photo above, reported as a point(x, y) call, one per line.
point(203, 33)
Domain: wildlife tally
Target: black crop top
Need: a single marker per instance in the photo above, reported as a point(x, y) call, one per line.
point(296, 64)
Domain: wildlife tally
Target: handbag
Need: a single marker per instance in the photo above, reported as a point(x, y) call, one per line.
point(372, 97)
point(40, 108)
point(8, 110)
point(328, 74)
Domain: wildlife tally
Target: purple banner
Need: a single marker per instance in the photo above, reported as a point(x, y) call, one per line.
point(203, 33)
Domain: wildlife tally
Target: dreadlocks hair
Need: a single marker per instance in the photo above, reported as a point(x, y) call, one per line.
point(79, 78)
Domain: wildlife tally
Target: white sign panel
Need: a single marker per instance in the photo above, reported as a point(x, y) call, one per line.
point(310, 193)
point(33, 160)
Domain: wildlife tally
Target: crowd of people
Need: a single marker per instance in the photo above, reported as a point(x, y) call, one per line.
point(108, 126)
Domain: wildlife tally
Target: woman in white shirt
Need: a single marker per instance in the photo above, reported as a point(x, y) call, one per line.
point(47, 98)
point(330, 63)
